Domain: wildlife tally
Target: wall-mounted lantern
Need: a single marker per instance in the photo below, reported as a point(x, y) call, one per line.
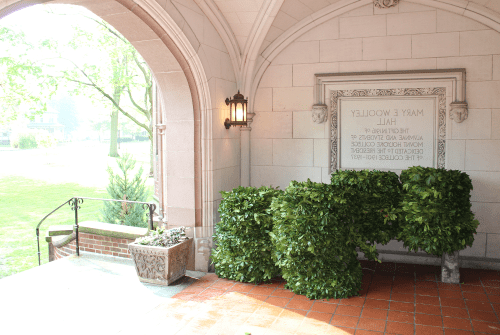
point(237, 111)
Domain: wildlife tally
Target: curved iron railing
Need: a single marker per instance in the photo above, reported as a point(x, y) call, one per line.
point(75, 203)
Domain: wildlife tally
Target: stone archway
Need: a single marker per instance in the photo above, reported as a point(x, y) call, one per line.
point(184, 97)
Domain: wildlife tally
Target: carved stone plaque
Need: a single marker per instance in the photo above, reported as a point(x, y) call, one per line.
point(388, 129)
point(387, 133)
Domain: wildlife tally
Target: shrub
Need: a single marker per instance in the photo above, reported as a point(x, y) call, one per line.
point(26, 141)
point(312, 246)
point(368, 200)
point(124, 187)
point(244, 248)
point(436, 207)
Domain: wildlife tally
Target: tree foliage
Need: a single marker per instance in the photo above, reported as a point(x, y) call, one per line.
point(120, 79)
point(25, 87)
point(97, 62)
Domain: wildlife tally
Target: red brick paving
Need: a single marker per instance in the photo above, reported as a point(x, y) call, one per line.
point(394, 299)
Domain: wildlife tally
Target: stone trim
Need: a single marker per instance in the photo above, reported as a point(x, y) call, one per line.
point(440, 92)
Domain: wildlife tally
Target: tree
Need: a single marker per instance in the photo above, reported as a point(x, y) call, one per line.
point(97, 62)
point(118, 79)
point(123, 187)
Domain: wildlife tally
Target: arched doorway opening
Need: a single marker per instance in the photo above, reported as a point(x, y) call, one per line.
point(183, 102)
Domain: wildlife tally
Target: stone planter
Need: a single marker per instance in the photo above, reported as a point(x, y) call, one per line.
point(158, 265)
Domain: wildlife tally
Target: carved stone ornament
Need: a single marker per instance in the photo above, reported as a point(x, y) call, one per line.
point(320, 113)
point(385, 3)
point(459, 111)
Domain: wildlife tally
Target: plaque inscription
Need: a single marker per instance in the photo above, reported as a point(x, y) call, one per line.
point(387, 132)
point(388, 128)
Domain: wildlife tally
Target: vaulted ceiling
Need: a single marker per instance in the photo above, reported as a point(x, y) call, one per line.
point(253, 25)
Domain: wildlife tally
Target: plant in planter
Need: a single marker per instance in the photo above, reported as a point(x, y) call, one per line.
point(437, 216)
point(161, 256)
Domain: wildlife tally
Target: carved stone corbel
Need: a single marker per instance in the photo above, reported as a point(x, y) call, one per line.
point(249, 122)
point(459, 111)
point(319, 113)
point(385, 3)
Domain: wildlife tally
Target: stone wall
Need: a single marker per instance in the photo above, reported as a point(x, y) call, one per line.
point(287, 145)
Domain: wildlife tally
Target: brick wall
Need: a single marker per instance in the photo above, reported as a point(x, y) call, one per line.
point(64, 251)
point(97, 244)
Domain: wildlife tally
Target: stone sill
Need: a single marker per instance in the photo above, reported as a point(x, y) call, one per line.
point(97, 228)
point(60, 230)
point(112, 230)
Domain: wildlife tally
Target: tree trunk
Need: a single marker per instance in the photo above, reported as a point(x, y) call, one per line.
point(117, 92)
point(113, 139)
point(151, 151)
point(151, 159)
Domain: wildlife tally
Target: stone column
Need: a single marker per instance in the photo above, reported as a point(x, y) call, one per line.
point(245, 156)
point(245, 152)
point(52, 257)
point(450, 268)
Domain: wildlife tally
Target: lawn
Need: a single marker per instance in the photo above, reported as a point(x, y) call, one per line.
point(23, 203)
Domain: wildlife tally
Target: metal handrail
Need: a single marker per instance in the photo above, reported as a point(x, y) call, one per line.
point(74, 204)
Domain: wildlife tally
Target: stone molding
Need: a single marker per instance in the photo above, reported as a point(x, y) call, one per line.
point(320, 113)
point(385, 3)
point(440, 92)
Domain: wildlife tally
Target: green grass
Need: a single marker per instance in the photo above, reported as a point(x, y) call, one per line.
point(23, 203)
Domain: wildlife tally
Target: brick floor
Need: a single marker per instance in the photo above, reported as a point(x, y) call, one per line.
point(394, 299)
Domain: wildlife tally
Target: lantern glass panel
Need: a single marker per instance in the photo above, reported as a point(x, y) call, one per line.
point(239, 112)
point(233, 112)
